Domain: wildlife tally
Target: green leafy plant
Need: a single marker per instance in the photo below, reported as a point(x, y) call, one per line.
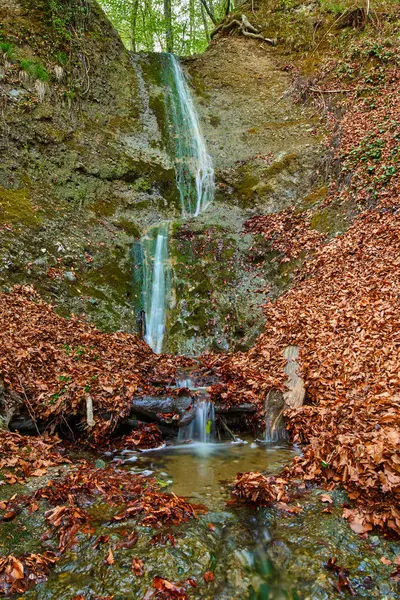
point(61, 58)
point(334, 7)
point(35, 69)
point(8, 50)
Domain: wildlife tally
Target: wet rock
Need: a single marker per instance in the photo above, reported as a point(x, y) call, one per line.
point(16, 94)
point(69, 276)
point(274, 406)
point(10, 404)
point(40, 262)
point(155, 408)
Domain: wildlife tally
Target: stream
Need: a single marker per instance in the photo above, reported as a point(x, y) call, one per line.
point(254, 554)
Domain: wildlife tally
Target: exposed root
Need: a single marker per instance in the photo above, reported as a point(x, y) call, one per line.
point(244, 27)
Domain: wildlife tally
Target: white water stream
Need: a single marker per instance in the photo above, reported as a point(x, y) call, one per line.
point(156, 284)
point(201, 429)
point(194, 167)
point(195, 182)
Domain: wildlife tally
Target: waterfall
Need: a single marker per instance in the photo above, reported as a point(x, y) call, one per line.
point(193, 164)
point(195, 182)
point(155, 285)
point(201, 429)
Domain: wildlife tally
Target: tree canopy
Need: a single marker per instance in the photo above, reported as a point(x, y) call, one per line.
point(179, 26)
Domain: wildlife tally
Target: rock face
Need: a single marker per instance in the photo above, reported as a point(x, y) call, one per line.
point(266, 151)
point(79, 159)
point(87, 169)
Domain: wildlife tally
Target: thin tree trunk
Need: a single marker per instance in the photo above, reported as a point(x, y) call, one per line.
point(205, 24)
point(209, 11)
point(135, 8)
point(168, 25)
point(191, 26)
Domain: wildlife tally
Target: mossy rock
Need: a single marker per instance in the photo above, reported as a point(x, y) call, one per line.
point(16, 208)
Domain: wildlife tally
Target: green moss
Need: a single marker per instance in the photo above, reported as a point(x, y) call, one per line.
point(128, 226)
point(142, 184)
point(111, 275)
point(314, 197)
point(16, 207)
point(281, 165)
point(104, 208)
point(330, 220)
point(247, 184)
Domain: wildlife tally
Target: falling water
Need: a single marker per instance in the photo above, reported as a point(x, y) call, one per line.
point(201, 429)
point(155, 285)
point(195, 182)
point(193, 164)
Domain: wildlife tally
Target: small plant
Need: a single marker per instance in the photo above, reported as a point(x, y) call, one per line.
point(35, 69)
point(70, 96)
point(334, 7)
point(42, 73)
point(8, 50)
point(65, 378)
point(61, 58)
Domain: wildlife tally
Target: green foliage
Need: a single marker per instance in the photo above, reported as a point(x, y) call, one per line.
point(333, 6)
point(70, 95)
point(35, 69)
point(61, 58)
point(68, 16)
point(7, 49)
point(142, 24)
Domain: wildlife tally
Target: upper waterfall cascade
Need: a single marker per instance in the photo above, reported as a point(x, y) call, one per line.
point(193, 164)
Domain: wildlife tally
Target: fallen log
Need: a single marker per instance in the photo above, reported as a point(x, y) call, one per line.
point(235, 408)
point(179, 410)
point(24, 424)
point(163, 408)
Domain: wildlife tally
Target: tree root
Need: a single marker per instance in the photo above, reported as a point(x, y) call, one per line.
point(244, 27)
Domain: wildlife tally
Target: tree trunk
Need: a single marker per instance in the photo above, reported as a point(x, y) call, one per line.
point(168, 26)
point(205, 24)
point(134, 16)
point(209, 11)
